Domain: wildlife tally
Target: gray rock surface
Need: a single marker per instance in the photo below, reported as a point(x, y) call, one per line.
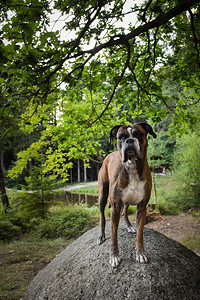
point(82, 271)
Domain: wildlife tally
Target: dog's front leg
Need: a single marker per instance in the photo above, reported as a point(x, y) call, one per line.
point(115, 216)
point(103, 195)
point(140, 220)
point(128, 224)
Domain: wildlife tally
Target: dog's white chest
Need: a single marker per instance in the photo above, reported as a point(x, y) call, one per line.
point(134, 193)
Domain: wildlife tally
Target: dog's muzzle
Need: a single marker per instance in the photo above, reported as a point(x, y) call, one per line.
point(130, 149)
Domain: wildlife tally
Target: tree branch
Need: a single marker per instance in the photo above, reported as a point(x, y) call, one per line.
point(145, 10)
point(148, 93)
point(77, 41)
point(115, 87)
point(183, 5)
point(195, 37)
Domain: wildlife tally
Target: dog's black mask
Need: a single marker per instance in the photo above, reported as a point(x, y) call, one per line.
point(131, 140)
point(131, 143)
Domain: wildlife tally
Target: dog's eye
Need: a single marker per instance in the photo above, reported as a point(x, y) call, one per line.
point(122, 136)
point(137, 135)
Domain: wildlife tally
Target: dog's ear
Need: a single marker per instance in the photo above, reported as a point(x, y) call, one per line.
point(113, 133)
point(148, 129)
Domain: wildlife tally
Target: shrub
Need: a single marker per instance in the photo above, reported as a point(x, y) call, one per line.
point(66, 222)
point(29, 204)
point(187, 167)
point(8, 231)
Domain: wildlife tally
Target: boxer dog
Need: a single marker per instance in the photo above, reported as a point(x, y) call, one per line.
point(125, 178)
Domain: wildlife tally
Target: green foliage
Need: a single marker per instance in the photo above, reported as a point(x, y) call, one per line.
point(168, 195)
point(71, 137)
point(8, 230)
point(18, 220)
point(169, 202)
point(41, 64)
point(66, 222)
point(29, 203)
point(160, 150)
point(132, 210)
point(26, 215)
point(187, 167)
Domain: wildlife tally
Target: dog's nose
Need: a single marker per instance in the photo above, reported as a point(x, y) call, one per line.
point(130, 141)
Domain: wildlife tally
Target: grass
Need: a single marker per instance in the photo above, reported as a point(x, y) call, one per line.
point(167, 195)
point(39, 243)
point(90, 190)
point(31, 241)
point(192, 243)
point(21, 261)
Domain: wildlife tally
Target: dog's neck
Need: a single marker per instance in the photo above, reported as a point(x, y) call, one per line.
point(134, 168)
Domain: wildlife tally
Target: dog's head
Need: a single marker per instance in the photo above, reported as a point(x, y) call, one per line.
point(132, 140)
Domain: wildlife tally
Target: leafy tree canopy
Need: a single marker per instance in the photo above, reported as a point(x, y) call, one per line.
point(83, 60)
point(37, 60)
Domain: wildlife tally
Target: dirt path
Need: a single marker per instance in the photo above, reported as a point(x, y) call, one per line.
point(81, 185)
point(183, 228)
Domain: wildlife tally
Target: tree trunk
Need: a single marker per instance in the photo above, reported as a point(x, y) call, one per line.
point(42, 199)
point(98, 168)
point(79, 171)
point(71, 175)
point(3, 195)
point(85, 172)
point(154, 187)
point(42, 196)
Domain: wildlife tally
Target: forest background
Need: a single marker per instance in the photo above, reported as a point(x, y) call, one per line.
point(70, 70)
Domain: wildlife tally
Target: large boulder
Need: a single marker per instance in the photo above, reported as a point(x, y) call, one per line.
point(82, 271)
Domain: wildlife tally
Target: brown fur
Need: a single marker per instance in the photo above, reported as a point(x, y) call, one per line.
point(125, 183)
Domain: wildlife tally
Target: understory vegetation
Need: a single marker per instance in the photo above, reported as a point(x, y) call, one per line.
point(57, 220)
point(53, 218)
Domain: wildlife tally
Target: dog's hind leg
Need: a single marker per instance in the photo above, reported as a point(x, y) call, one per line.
point(140, 220)
point(103, 195)
point(128, 224)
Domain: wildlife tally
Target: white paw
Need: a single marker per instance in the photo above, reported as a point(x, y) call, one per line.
point(114, 260)
point(141, 258)
point(100, 240)
point(131, 229)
